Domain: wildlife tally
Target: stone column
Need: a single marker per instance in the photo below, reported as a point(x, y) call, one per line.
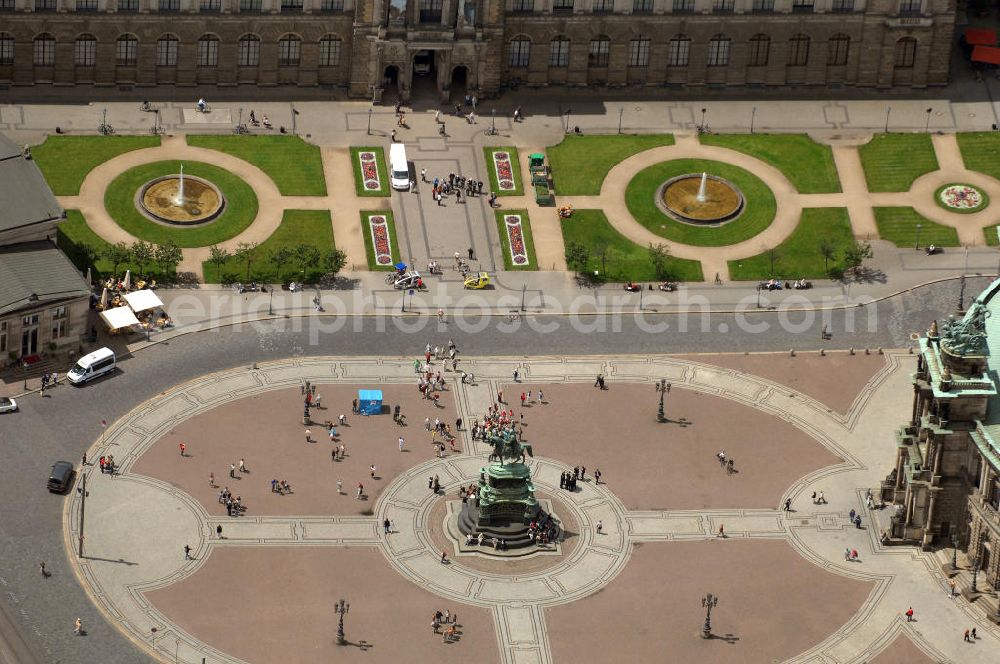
point(900, 466)
point(914, 419)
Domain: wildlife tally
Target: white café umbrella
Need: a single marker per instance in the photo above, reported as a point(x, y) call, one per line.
point(119, 317)
point(104, 298)
point(143, 300)
point(89, 280)
point(128, 279)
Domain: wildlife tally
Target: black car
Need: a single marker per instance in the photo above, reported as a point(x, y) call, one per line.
point(60, 477)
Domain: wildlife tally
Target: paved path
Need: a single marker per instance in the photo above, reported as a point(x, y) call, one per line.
point(151, 517)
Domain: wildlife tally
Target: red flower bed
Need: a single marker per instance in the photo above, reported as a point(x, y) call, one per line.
point(505, 174)
point(369, 170)
point(380, 239)
point(515, 236)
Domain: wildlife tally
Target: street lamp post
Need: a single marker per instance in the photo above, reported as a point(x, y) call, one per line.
point(493, 122)
point(916, 245)
point(370, 111)
point(663, 387)
point(568, 111)
point(621, 112)
point(709, 601)
point(975, 573)
point(701, 127)
point(342, 608)
point(954, 553)
point(524, 292)
point(753, 116)
point(888, 111)
point(927, 125)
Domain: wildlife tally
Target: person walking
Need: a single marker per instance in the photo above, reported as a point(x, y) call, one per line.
point(340, 487)
point(444, 557)
point(423, 175)
point(183, 449)
point(361, 490)
point(78, 626)
point(371, 470)
point(41, 568)
point(218, 531)
point(909, 614)
point(392, 136)
point(722, 531)
point(243, 465)
point(386, 525)
point(211, 480)
point(788, 505)
point(951, 588)
point(232, 470)
point(187, 552)
point(600, 526)
point(966, 637)
point(401, 442)
point(597, 476)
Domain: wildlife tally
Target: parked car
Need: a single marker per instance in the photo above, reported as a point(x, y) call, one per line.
point(60, 476)
point(7, 405)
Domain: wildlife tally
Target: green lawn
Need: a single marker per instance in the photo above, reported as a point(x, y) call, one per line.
point(295, 166)
point(580, 163)
point(992, 239)
point(623, 259)
point(73, 233)
point(383, 174)
point(893, 161)
point(529, 243)
point(799, 256)
point(805, 162)
point(310, 227)
point(757, 215)
point(981, 152)
point(515, 166)
point(66, 160)
point(367, 233)
point(899, 226)
point(240, 211)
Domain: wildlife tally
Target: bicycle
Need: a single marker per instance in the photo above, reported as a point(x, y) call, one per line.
point(241, 129)
point(105, 129)
point(146, 107)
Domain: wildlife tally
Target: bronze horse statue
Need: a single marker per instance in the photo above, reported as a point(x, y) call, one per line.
point(507, 448)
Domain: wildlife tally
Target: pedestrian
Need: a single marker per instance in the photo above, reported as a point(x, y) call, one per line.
point(41, 568)
point(472, 254)
point(401, 443)
point(444, 557)
point(423, 175)
point(524, 397)
point(437, 116)
point(847, 553)
point(966, 637)
point(308, 436)
point(83, 459)
point(722, 531)
point(788, 505)
point(232, 467)
point(821, 499)
point(600, 526)
point(187, 552)
point(392, 136)
point(441, 130)
point(340, 487)
point(430, 483)
point(342, 419)
point(951, 588)
point(183, 448)
point(583, 472)
point(371, 468)
point(597, 476)
point(458, 424)
point(218, 531)
point(721, 456)
point(516, 374)
point(909, 614)
point(852, 515)
point(857, 522)
point(541, 397)
point(361, 490)
point(78, 626)
point(211, 480)
point(974, 637)
point(440, 315)
point(385, 525)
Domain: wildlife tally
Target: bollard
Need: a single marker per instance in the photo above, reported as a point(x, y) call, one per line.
point(852, 351)
point(822, 352)
point(868, 351)
point(791, 352)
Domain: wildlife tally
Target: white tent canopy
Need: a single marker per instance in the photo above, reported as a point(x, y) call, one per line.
point(141, 300)
point(119, 317)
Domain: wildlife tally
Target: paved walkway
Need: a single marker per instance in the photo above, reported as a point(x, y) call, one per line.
point(151, 519)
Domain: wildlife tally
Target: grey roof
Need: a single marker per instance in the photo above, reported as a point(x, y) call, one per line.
point(27, 199)
point(40, 269)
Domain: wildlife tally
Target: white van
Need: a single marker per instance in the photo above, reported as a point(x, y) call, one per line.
point(91, 366)
point(399, 168)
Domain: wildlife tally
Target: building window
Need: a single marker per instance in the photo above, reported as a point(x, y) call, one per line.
point(45, 5)
point(803, 6)
point(44, 50)
point(29, 320)
point(838, 48)
point(562, 6)
point(683, 6)
point(126, 51)
point(6, 5)
point(910, 6)
point(559, 52)
point(602, 6)
point(248, 54)
point(86, 5)
point(638, 52)
point(128, 5)
point(58, 329)
point(6, 49)
point(169, 5)
point(724, 6)
point(764, 6)
point(166, 51)
point(291, 5)
point(518, 52)
point(250, 5)
point(642, 6)
point(678, 51)
point(798, 50)
point(210, 5)
point(59, 312)
point(760, 49)
point(289, 51)
point(3, 337)
point(85, 51)
point(597, 56)
point(208, 51)
point(905, 54)
point(843, 5)
point(332, 6)
point(718, 51)
point(430, 11)
point(329, 51)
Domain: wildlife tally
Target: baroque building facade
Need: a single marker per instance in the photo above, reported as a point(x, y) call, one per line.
point(366, 47)
point(946, 483)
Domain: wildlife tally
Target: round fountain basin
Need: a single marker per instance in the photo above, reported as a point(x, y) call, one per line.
point(158, 200)
point(678, 199)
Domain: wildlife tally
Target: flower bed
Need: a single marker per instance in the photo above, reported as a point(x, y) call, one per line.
point(515, 238)
point(961, 198)
point(370, 175)
point(505, 177)
point(381, 244)
point(369, 170)
point(505, 173)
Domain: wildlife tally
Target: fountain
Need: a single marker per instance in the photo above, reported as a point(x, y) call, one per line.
point(701, 197)
point(180, 199)
point(701, 200)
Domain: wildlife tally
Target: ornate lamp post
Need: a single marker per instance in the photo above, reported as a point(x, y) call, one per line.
point(954, 553)
point(927, 125)
point(342, 608)
point(709, 601)
point(701, 127)
point(916, 244)
point(370, 111)
point(663, 387)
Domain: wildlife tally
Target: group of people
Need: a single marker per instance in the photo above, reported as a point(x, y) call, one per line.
point(498, 543)
point(445, 620)
point(280, 487)
point(453, 184)
point(543, 530)
point(496, 422)
point(107, 464)
point(568, 480)
point(727, 464)
point(234, 506)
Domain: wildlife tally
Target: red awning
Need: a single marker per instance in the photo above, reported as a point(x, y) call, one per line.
point(987, 54)
point(980, 37)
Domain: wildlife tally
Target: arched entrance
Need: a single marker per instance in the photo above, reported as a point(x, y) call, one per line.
point(425, 76)
point(390, 85)
point(459, 83)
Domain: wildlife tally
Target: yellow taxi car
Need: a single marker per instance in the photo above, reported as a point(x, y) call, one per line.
point(478, 281)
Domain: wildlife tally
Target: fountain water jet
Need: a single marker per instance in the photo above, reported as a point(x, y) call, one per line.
point(700, 197)
point(179, 196)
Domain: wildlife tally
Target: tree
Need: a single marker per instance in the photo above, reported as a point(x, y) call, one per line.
point(577, 257)
point(245, 253)
point(773, 254)
point(218, 256)
point(856, 254)
point(169, 256)
point(279, 257)
point(143, 254)
point(117, 253)
point(658, 255)
point(307, 256)
point(601, 251)
point(828, 252)
point(333, 261)
point(87, 254)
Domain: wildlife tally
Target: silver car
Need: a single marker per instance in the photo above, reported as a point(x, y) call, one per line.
point(7, 405)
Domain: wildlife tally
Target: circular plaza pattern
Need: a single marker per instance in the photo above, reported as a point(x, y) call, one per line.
point(683, 199)
point(962, 198)
point(662, 502)
point(181, 200)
